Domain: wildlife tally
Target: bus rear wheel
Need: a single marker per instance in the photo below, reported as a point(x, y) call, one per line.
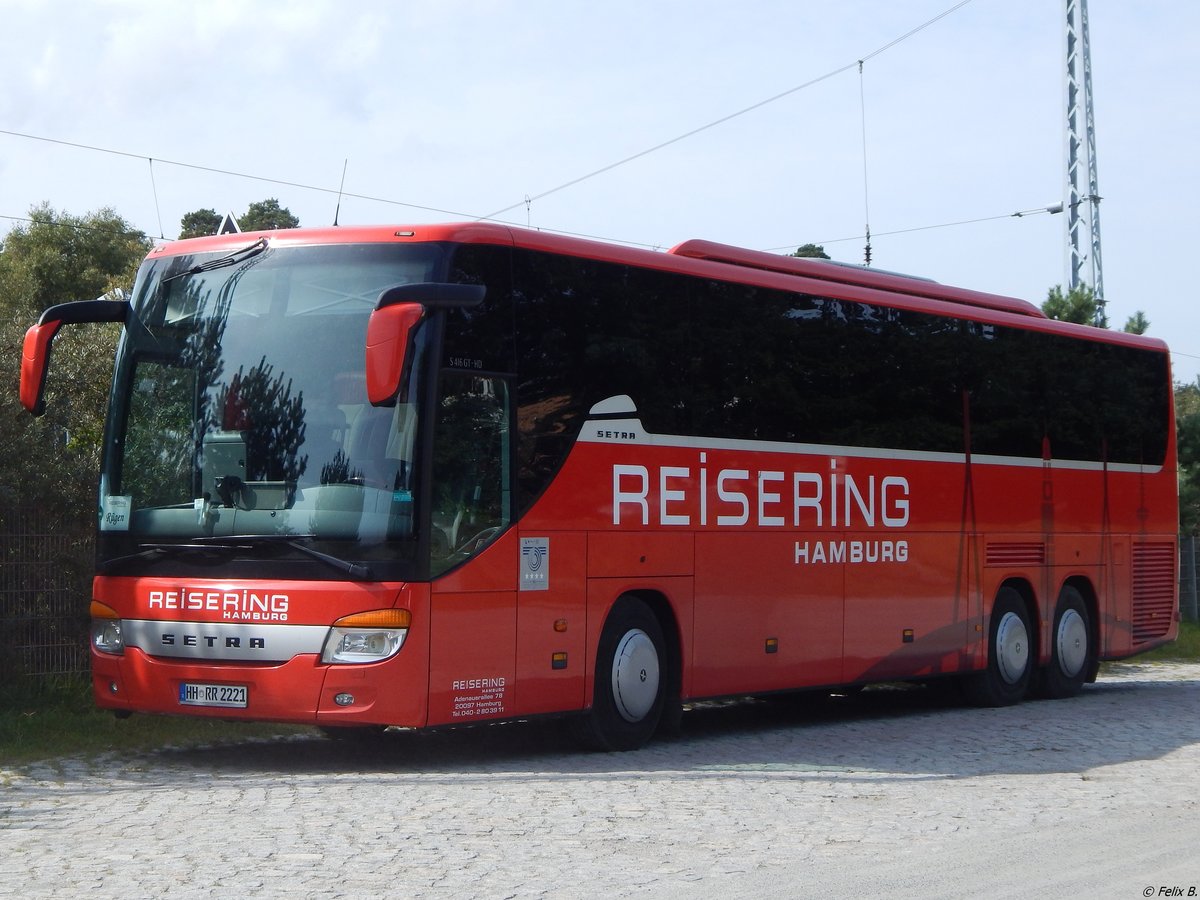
point(1005, 680)
point(629, 692)
point(1071, 648)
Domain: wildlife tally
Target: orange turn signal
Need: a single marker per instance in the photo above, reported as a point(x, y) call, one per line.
point(98, 610)
point(378, 618)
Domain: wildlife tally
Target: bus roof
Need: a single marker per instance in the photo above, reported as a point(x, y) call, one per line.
point(696, 257)
point(709, 251)
point(826, 270)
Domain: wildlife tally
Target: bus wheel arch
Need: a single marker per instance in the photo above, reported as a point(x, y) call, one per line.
point(636, 680)
point(1012, 654)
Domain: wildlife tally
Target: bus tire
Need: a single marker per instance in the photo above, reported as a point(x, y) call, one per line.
point(1006, 678)
point(630, 685)
point(1071, 649)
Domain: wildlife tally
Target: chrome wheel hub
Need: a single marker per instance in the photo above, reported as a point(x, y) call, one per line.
point(1012, 648)
point(1072, 643)
point(635, 675)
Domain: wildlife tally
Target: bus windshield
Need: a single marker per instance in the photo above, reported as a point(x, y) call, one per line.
point(239, 405)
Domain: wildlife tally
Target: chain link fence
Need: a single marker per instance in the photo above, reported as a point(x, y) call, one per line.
point(1189, 595)
point(45, 577)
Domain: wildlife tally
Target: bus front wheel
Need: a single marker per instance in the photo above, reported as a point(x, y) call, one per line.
point(1005, 680)
point(629, 692)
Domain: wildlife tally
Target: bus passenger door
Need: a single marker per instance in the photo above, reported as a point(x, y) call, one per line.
point(473, 557)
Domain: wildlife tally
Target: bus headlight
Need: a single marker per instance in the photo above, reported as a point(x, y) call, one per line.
point(106, 629)
point(367, 637)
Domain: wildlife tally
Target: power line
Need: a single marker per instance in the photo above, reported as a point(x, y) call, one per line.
point(741, 112)
point(339, 192)
point(525, 201)
point(78, 226)
point(232, 174)
point(858, 237)
point(664, 144)
point(919, 28)
point(157, 209)
point(137, 233)
point(862, 103)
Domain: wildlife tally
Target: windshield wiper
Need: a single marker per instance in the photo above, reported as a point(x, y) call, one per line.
point(296, 542)
point(246, 542)
point(149, 551)
point(222, 261)
point(354, 570)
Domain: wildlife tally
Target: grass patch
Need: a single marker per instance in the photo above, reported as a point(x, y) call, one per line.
point(1186, 648)
point(44, 718)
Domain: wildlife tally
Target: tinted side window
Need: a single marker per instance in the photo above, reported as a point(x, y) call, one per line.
point(1078, 400)
point(1135, 404)
point(1001, 372)
point(902, 383)
point(769, 365)
point(481, 338)
point(791, 367)
point(586, 331)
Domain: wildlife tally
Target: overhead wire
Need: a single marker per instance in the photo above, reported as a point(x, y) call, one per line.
point(593, 237)
point(726, 118)
point(527, 200)
point(904, 37)
point(232, 174)
point(157, 210)
point(78, 226)
point(862, 105)
point(138, 233)
point(858, 237)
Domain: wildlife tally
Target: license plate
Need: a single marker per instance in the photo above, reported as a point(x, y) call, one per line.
point(213, 695)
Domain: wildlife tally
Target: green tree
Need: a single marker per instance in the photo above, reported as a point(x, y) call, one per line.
point(1137, 323)
point(48, 465)
point(264, 215)
point(199, 223)
point(57, 258)
point(267, 215)
point(815, 251)
point(1078, 305)
point(1187, 418)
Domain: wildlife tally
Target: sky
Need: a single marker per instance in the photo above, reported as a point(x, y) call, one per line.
point(460, 109)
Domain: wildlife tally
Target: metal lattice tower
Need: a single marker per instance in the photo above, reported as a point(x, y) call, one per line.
point(1081, 142)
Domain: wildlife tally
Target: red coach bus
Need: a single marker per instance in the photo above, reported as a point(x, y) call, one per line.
point(426, 476)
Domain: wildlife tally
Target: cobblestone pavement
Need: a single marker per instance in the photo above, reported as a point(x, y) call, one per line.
point(890, 793)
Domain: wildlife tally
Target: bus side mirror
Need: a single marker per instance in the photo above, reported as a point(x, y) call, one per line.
point(35, 362)
point(389, 333)
point(390, 329)
point(35, 353)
